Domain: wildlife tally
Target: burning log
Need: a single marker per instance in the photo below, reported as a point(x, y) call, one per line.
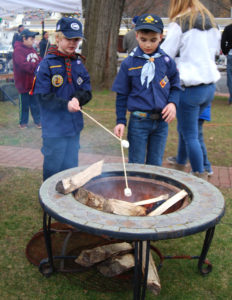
point(90, 199)
point(153, 280)
point(167, 204)
point(68, 185)
point(89, 257)
point(117, 265)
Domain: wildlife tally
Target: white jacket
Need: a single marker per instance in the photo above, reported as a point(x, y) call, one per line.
point(194, 51)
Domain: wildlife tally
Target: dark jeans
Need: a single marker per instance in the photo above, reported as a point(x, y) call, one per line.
point(26, 103)
point(147, 140)
point(60, 153)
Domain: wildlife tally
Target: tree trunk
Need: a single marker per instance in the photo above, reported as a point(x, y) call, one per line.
point(102, 22)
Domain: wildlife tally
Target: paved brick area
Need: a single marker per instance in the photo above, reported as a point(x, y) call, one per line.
point(33, 159)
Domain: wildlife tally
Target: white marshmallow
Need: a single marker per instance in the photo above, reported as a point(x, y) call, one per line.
point(125, 143)
point(127, 192)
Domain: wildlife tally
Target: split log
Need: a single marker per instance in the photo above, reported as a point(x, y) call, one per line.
point(89, 257)
point(90, 199)
point(153, 280)
point(123, 208)
point(152, 200)
point(68, 185)
point(167, 204)
point(116, 265)
point(114, 206)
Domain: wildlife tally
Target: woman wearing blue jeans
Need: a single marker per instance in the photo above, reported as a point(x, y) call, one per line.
point(193, 40)
point(193, 101)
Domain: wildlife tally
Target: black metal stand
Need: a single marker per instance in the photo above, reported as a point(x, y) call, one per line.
point(138, 273)
point(207, 242)
point(46, 266)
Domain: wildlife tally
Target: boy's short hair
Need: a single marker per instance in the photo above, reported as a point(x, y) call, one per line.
point(70, 27)
point(149, 22)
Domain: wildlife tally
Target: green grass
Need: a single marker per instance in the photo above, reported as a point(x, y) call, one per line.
point(21, 218)
point(217, 133)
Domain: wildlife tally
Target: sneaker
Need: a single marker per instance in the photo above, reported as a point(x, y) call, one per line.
point(210, 173)
point(22, 126)
point(171, 160)
point(38, 126)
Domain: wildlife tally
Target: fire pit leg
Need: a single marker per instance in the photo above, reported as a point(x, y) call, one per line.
point(205, 249)
point(138, 253)
point(46, 266)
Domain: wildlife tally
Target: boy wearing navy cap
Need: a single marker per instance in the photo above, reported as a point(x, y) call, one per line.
point(62, 86)
point(148, 86)
point(25, 61)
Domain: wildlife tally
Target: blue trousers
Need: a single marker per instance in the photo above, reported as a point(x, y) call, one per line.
point(229, 76)
point(26, 103)
point(60, 153)
point(193, 100)
point(147, 140)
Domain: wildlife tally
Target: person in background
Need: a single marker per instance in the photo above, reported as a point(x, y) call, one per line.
point(44, 44)
point(62, 86)
point(204, 116)
point(129, 39)
point(193, 39)
point(226, 46)
point(17, 36)
point(148, 86)
point(25, 61)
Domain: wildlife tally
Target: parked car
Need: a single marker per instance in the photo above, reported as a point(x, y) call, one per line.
point(6, 62)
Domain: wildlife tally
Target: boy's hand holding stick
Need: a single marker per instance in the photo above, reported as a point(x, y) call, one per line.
point(73, 105)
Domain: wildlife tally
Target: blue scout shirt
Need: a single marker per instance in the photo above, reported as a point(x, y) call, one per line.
point(132, 95)
point(52, 82)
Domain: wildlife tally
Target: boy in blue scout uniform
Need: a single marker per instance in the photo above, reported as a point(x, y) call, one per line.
point(148, 86)
point(62, 86)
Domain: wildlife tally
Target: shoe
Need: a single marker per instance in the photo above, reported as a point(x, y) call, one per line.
point(22, 126)
point(38, 126)
point(171, 160)
point(209, 173)
point(203, 175)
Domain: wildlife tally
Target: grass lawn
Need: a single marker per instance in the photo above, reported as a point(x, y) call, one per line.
point(21, 215)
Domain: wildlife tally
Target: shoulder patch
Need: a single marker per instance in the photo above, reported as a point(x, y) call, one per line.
point(57, 80)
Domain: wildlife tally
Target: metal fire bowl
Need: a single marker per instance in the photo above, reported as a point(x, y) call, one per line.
point(205, 210)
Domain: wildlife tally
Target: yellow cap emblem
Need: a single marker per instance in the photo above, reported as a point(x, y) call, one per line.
point(57, 80)
point(149, 19)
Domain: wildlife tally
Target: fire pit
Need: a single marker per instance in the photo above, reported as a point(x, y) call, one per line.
point(205, 209)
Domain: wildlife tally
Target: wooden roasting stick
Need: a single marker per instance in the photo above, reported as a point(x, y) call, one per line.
point(167, 204)
point(68, 185)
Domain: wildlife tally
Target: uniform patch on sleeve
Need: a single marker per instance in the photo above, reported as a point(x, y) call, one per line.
point(164, 81)
point(57, 80)
point(79, 80)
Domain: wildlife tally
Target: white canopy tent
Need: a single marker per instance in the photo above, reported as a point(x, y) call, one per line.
point(19, 6)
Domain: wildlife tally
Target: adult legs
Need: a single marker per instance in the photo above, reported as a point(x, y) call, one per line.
point(193, 100)
point(207, 165)
point(229, 76)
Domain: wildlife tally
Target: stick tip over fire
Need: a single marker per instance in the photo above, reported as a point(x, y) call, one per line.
point(127, 192)
point(125, 143)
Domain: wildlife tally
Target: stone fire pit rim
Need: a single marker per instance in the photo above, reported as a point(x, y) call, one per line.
point(205, 210)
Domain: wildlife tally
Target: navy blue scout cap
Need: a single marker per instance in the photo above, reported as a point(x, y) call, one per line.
point(151, 22)
point(28, 33)
point(70, 27)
